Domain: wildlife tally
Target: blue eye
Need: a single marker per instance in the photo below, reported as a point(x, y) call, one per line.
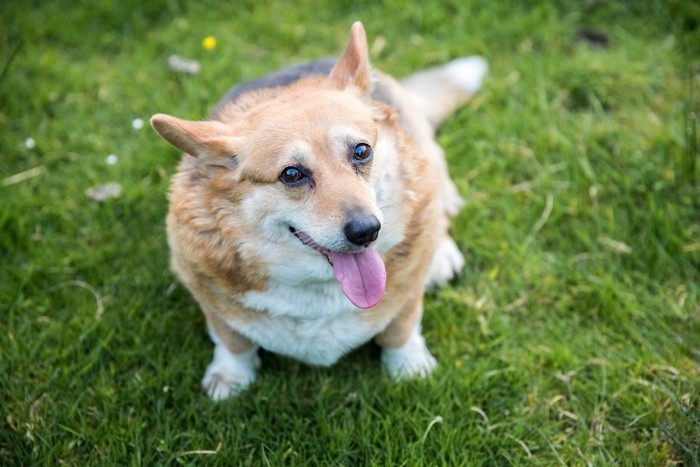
point(362, 152)
point(291, 175)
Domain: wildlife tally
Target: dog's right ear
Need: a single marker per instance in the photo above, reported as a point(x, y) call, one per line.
point(209, 141)
point(353, 68)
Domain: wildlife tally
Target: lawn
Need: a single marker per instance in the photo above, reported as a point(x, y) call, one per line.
point(572, 337)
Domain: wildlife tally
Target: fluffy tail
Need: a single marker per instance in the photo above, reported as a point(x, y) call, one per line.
point(440, 91)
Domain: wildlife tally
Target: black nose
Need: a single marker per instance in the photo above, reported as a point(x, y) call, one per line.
point(362, 230)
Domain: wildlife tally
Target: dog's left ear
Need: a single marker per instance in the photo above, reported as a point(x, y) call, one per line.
point(211, 142)
point(353, 68)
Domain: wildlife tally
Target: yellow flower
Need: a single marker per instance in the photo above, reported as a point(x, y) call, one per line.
point(209, 42)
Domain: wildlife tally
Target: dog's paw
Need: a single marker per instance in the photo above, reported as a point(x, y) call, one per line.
point(228, 374)
point(447, 263)
point(412, 360)
point(453, 202)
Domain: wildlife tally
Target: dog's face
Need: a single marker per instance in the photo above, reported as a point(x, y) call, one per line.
point(311, 160)
point(297, 170)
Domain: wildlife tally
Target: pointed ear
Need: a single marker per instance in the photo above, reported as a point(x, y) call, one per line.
point(210, 141)
point(353, 68)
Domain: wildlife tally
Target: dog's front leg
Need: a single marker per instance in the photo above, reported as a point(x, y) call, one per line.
point(404, 353)
point(235, 360)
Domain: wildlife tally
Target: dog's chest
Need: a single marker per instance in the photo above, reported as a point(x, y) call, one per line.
point(314, 324)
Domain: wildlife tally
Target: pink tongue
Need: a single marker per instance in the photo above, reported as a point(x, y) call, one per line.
point(362, 276)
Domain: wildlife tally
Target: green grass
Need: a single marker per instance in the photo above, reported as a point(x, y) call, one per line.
point(573, 336)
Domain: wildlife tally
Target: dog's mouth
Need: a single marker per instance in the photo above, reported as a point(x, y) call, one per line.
point(361, 275)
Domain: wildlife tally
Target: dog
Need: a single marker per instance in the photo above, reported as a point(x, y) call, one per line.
point(311, 211)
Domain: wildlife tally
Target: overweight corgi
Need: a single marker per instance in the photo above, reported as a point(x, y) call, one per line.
point(309, 214)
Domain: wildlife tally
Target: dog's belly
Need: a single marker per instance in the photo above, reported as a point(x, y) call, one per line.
point(314, 324)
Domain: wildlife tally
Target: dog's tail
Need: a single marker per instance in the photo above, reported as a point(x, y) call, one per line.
point(441, 90)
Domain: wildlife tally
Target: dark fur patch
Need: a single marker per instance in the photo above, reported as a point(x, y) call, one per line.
point(195, 177)
point(320, 67)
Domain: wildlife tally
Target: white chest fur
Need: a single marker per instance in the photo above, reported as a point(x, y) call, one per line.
point(315, 324)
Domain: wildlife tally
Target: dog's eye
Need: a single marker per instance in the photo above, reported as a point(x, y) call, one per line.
point(291, 176)
point(362, 152)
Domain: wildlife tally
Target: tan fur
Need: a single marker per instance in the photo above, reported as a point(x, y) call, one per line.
point(226, 193)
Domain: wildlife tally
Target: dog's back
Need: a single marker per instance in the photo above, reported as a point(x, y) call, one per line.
point(436, 92)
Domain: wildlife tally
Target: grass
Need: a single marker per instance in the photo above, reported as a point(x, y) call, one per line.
point(573, 336)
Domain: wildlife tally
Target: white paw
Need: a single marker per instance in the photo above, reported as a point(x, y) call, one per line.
point(228, 374)
point(468, 72)
point(452, 201)
point(447, 263)
point(412, 360)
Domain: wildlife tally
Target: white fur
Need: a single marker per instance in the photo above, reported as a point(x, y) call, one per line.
point(452, 202)
point(387, 198)
point(314, 324)
point(413, 359)
point(300, 298)
point(467, 72)
point(437, 92)
point(228, 373)
point(447, 263)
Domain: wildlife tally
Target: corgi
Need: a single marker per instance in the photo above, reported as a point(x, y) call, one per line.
point(311, 211)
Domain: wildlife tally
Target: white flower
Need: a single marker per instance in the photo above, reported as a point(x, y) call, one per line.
point(104, 192)
point(29, 143)
point(137, 124)
point(111, 159)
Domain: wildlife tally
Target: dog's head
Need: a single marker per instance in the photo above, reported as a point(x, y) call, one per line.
point(297, 164)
